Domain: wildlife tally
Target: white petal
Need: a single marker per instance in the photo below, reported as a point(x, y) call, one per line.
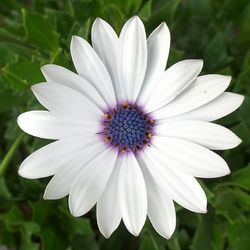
point(105, 43)
point(49, 159)
point(190, 158)
point(207, 134)
point(108, 210)
point(91, 182)
point(132, 58)
point(182, 188)
point(46, 125)
point(61, 183)
point(203, 90)
point(161, 210)
point(91, 68)
point(67, 103)
point(132, 195)
point(171, 83)
point(158, 45)
point(223, 105)
point(57, 74)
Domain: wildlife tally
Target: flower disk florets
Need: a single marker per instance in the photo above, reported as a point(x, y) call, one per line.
point(127, 128)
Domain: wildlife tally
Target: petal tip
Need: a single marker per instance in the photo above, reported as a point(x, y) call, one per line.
point(239, 141)
point(135, 233)
point(236, 141)
point(20, 172)
point(134, 230)
point(241, 99)
point(19, 120)
point(106, 234)
point(46, 67)
point(46, 196)
point(99, 20)
point(135, 19)
point(74, 39)
point(23, 173)
point(35, 87)
point(203, 211)
point(162, 29)
point(74, 212)
point(163, 26)
point(200, 62)
point(226, 79)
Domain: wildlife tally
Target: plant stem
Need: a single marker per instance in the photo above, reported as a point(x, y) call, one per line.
point(8, 157)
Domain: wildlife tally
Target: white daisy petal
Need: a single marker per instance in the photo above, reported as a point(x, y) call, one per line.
point(90, 67)
point(108, 211)
point(67, 103)
point(190, 158)
point(172, 82)
point(132, 195)
point(132, 58)
point(44, 124)
point(203, 90)
point(207, 134)
point(91, 182)
point(105, 43)
point(223, 105)
point(49, 159)
point(57, 74)
point(161, 210)
point(182, 188)
point(61, 183)
point(158, 45)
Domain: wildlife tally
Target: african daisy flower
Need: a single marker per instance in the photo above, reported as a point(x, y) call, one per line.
point(130, 136)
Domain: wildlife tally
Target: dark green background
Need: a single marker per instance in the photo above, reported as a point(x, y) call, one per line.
point(37, 32)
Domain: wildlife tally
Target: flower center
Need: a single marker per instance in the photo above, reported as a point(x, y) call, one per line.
point(127, 128)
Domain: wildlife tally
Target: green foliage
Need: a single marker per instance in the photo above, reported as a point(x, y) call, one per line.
point(38, 32)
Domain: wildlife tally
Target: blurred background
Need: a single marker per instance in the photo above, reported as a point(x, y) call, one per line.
point(38, 32)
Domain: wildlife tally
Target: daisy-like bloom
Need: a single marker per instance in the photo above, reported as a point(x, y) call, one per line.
point(130, 136)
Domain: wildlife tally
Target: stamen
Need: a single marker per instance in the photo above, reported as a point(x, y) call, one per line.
point(107, 138)
point(151, 121)
point(149, 135)
point(123, 150)
point(107, 116)
point(125, 105)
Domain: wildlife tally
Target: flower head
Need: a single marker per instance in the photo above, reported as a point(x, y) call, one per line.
point(130, 136)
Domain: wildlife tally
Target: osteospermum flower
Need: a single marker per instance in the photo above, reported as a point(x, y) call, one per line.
point(130, 136)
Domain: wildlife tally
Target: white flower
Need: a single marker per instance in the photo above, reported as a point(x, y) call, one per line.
point(131, 136)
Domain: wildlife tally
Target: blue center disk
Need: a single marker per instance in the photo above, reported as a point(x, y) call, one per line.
point(127, 128)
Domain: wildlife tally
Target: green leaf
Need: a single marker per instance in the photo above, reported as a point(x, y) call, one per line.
point(14, 222)
point(4, 191)
point(112, 12)
point(163, 11)
point(10, 100)
point(202, 238)
point(40, 31)
point(242, 177)
point(175, 55)
point(217, 48)
point(238, 235)
point(21, 74)
point(148, 243)
point(52, 240)
point(231, 203)
point(75, 225)
point(145, 11)
point(210, 233)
